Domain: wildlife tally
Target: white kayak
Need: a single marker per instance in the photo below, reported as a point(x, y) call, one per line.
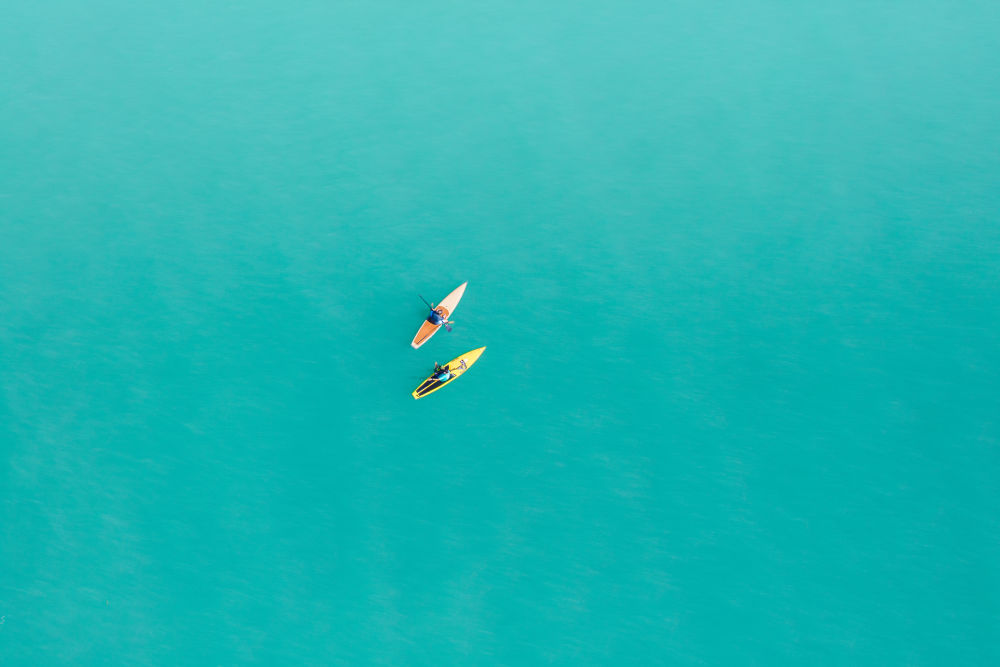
point(443, 311)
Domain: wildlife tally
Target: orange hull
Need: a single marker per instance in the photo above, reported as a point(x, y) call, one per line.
point(426, 330)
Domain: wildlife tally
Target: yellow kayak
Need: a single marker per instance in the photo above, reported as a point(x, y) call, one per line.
point(456, 367)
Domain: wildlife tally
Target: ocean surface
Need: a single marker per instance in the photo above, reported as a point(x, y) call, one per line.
point(736, 265)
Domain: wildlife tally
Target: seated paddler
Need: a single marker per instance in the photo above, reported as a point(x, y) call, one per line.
point(441, 373)
point(437, 317)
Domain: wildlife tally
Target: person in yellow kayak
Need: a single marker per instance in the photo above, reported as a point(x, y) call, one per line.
point(441, 373)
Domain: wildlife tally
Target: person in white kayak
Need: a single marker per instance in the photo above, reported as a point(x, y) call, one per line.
point(437, 317)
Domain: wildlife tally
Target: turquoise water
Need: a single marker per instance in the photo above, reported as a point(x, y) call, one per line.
point(736, 265)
